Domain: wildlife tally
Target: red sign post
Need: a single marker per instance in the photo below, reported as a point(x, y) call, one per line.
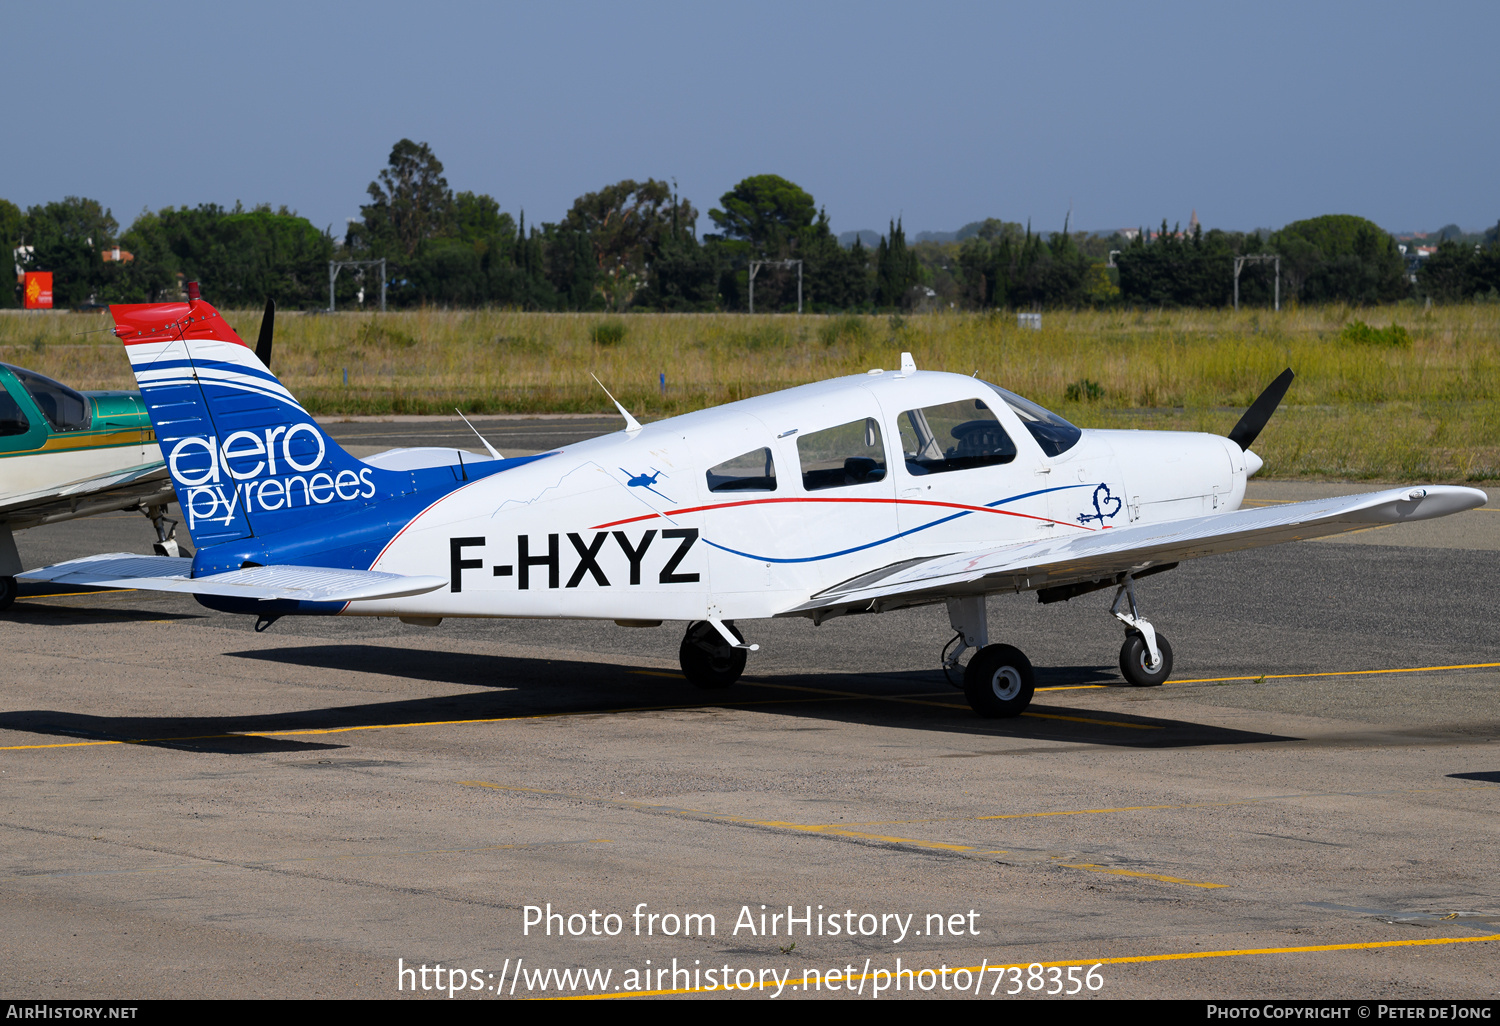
point(38, 290)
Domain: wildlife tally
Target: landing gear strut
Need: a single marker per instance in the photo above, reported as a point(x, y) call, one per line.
point(709, 659)
point(998, 682)
point(166, 543)
point(1146, 656)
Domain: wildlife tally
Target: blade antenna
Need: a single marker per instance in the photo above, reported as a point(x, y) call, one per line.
point(267, 330)
point(631, 424)
point(1254, 421)
point(474, 429)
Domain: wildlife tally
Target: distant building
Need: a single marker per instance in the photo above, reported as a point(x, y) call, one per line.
point(118, 256)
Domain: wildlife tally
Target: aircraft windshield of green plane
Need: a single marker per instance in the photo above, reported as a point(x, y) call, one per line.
point(65, 409)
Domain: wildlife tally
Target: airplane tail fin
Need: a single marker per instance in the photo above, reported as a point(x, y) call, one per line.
point(245, 457)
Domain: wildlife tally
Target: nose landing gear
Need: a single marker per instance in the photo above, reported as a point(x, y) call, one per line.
point(1146, 657)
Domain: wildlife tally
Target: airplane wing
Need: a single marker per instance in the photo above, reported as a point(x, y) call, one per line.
point(170, 573)
point(138, 486)
point(1104, 557)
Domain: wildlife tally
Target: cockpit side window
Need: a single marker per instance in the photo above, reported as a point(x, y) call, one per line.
point(849, 454)
point(953, 436)
point(12, 418)
point(65, 409)
point(1055, 435)
point(755, 471)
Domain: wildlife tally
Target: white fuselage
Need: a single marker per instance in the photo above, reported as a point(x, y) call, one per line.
point(625, 526)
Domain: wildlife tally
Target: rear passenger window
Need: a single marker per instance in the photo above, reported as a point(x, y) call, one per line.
point(849, 454)
point(953, 436)
point(753, 472)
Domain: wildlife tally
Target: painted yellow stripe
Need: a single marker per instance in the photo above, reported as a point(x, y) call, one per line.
point(1119, 960)
point(1091, 867)
point(1342, 673)
point(824, 829)
point(1165, 808)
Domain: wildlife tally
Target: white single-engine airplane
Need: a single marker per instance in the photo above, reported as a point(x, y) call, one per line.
point(856, 495)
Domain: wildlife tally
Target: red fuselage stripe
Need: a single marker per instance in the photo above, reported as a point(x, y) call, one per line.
point(893, 502)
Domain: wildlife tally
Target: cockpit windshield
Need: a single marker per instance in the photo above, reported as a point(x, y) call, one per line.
point(1055, 435)
point(65, 409)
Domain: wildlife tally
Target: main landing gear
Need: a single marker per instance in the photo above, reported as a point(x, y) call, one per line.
point(713, 653)
point(166, 533)
point(998, 682)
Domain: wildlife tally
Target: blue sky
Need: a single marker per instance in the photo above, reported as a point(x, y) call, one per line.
point(940, 113)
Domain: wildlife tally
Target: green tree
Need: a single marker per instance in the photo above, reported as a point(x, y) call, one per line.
point(410, 203)
point(767, 213)
point(896, 272)
point(241, 257)
point(1341, 257)
point(12, 230)
point(69, 239)
point(625, 225)
point(479, 217)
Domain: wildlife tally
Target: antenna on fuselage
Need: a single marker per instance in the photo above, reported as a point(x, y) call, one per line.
point(631, 424)
point(482, 439)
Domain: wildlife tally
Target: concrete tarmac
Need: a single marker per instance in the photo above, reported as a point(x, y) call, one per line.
point(1308, 809)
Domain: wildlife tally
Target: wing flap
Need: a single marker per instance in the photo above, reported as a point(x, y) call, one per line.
point(1102, 554)
point(168, 573)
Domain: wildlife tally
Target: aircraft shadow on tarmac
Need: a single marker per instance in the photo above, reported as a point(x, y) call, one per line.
point(32, 608)
point(524, 688)
point(1488, 776)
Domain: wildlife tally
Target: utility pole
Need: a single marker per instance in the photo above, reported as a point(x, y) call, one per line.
point(335, 266)
point(1259, 258)
point(756, 265)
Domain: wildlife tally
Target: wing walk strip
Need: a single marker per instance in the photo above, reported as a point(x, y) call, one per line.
point(825, 695)
point(1175, 956)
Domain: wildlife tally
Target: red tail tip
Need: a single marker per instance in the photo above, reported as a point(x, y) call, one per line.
point(192, 288)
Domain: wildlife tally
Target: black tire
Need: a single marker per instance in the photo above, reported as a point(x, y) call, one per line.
point(8, 592)
point(999, 682)
point(1135, 658)
point(708, 661)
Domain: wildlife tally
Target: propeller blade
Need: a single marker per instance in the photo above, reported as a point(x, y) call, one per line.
point(1254, 421)
point(267, 329)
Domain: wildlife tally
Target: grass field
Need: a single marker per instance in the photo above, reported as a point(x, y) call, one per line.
point(1429, 410)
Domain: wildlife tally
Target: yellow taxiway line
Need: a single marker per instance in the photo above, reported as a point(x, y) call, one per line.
point(1175, 956)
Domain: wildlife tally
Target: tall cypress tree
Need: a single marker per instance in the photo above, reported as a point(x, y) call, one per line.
point(895, 267)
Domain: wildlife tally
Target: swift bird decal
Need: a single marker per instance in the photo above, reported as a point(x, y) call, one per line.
point(1102, 498)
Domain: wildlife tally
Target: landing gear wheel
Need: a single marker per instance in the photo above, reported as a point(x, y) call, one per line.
point(708, 661)
point(8, 591)
point(1135, 660)
point(999, 682)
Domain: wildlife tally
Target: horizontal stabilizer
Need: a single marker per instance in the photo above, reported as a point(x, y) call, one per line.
point(298, 583)
point(1102, 554)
